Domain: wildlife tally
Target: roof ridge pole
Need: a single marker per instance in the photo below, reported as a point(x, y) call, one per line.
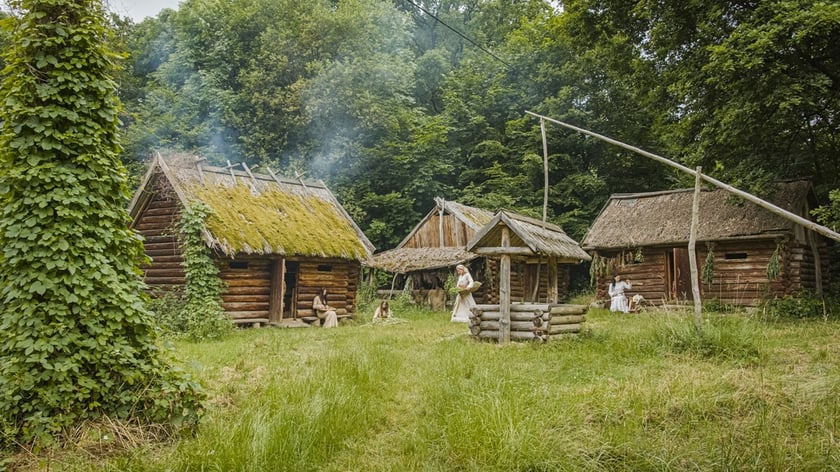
point(198, 161)
point(746, 196)
point(230, 168)
point(299, 177)
point(248, 171)
point(272, 174)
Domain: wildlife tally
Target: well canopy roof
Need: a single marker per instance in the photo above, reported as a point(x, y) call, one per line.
point(542, 238)
point(256, 213)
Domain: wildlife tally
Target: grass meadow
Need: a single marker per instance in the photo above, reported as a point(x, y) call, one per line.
point(631, 393)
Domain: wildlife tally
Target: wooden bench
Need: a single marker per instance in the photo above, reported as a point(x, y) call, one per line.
point(254, 322)
point(314, 319)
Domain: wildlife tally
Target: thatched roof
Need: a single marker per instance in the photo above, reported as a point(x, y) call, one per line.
point(663, 218)
point(473, 217)
point(401, 259)
point(541, 238)
point(254, 213)
point(410, 259)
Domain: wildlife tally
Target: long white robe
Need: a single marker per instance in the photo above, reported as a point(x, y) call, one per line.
point(464, 302)
point(618, 301)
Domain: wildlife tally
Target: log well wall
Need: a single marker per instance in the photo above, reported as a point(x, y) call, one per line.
point(528, 321)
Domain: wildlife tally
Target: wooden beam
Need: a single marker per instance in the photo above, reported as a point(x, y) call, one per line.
point(553, 292)
point(504, 251)
point(504, 290)
point(692, 251)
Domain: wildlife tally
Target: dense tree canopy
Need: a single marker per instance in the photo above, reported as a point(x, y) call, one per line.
point(395, 102)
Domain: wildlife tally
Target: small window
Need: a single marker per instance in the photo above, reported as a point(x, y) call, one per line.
point(238, 264)
point(324, 268)
point(735, 255)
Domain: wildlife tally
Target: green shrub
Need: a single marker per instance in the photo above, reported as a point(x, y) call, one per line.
point(803, 305)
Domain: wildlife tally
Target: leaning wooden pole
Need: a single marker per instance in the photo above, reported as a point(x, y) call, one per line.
point(746, 196)
point(545, 171)
point(692, 252)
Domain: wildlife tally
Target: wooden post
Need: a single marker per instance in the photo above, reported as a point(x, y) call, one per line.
point(692, 253)
point(276, 293)
point(504, 290)
point(545, 171)
point(553, 293)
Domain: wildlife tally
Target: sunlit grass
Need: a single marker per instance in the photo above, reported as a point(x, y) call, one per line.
point(638, 392)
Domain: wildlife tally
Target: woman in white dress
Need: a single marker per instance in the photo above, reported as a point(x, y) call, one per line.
point(326, 314)
point(618, 301)
point(464, 301)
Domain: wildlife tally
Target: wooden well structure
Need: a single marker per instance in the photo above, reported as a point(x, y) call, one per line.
point(511, 236)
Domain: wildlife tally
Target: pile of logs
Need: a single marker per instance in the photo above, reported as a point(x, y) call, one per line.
point(528, 321)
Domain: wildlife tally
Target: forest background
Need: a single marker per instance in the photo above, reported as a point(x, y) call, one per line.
point(393, 103)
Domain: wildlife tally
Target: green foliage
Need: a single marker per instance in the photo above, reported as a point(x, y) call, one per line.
point(168, 308)
point(774, 263)
point(803, 305)
point(203, 316)
point(829, 215)
point(77, 341)
point(707, 273)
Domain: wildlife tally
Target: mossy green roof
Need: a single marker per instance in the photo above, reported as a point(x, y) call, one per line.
point(260, 214)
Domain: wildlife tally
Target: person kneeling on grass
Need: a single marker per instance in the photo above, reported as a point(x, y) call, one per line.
point(383, 311)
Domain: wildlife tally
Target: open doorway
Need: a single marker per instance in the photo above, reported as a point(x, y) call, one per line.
point(679, 275)
point(290, 279)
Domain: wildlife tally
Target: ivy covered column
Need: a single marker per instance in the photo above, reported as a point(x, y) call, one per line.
point(76, 339)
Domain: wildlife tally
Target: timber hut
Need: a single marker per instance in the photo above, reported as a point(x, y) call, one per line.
point(275, 241)
point(426, 258)
point(744, 252)
point(511, 237)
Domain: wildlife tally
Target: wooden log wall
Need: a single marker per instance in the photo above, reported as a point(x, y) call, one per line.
point(742, 281)
point(739, 272)
point(157, 222)
point(521, 282)
point(455, 233)
point(248, 287)
point(341, 282)
point(528, 321)
point(648, 276)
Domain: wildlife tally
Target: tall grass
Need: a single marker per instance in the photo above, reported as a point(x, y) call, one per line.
point(639, 392)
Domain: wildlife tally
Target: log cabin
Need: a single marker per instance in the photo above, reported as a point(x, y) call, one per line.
point(426, 257)
point(274, 240)
point(745, 253)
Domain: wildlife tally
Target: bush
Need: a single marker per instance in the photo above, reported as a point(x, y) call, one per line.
point(804, 305)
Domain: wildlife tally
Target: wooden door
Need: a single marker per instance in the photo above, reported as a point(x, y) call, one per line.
point(679, 275)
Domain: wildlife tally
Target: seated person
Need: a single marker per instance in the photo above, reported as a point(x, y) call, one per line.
point(326, 314)
point(383, 311)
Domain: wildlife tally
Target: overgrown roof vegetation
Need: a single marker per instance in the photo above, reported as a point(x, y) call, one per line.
point(276, 222)
point(252, 213)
